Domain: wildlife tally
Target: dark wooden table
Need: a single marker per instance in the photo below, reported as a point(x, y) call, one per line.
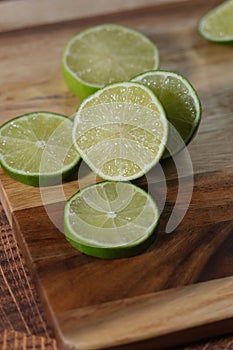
point(23, 324)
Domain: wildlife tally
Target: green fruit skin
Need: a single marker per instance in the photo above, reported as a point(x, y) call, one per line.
point(77, 87)
point(111, 253)
point(219, 41)
point(166, 154)
point(40, 180)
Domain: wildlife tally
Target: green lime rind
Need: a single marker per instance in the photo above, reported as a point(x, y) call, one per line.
point(183, 114)
point(81, 87)
point(33, 178)
point(111, 252)
point(115, 253)
point(39, 180)
point(75, 85)
point(158, 136)
point(217, 24)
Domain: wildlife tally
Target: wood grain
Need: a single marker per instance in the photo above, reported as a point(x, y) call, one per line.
point(155, 297)
point(155, 315)
point(51, 11)
point(12, 329)
point(172, 261)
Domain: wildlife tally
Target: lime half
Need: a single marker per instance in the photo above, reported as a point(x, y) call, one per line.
point(111, 220)
point(217, 24)
point(181, 104)
point(105, 54)
point(121, 131)
point(36, 148)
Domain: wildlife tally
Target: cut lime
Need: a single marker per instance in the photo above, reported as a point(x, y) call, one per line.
point(111, 220)
point(181, 104)
point(105, 54)
point(36, 148)
point(217, 24)
point(120, 131)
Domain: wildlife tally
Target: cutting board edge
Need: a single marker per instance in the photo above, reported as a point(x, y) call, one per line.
point(157, 321)
point(164, 342)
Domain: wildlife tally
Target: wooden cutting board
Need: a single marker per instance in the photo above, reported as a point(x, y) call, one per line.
point(181, 288)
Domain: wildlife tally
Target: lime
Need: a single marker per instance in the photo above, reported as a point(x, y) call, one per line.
point(106, 54)
point(36, 148)
point(120, 131)
point(111, 220)
point(217, 24)
point(181, 103)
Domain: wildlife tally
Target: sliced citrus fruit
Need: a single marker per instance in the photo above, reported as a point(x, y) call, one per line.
point(181, 103)
point(217, 24)
point(105, 54)
point(120, 131)
point(36, 148)
point(111, 220)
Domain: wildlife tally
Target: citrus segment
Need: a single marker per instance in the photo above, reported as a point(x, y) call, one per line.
point(36, 148)
point(105, 54)
point(121, 131)
point(217, 24)
point(181, 104)
point(110, 219)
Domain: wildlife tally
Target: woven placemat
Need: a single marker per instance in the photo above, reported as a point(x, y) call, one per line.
point(12, 340)
point(23, 325)
point(22, 321)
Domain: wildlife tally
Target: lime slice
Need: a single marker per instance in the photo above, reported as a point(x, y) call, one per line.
point(106, 54)
point(36, 148)
point(111, 220)
point(217, 24)
point(120, 131)
point(181, 104)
